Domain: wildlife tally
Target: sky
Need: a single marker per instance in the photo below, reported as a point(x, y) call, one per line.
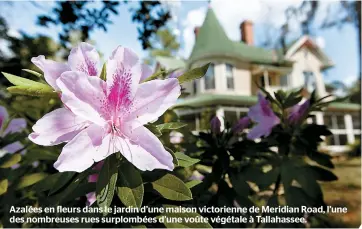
point(339, 44)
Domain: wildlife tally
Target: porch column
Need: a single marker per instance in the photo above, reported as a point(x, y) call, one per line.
point(197, 122)
point(349, 128)
point(220, 114)
point(266, 78)
point(319, 118)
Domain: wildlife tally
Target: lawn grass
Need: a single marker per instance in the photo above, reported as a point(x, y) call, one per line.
point(345, 192)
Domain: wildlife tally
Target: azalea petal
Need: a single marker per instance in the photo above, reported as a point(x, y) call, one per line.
point(144, 150)
point(13, 147)
point(80, 153)
point(153, 98)
point(124, 68)
point(84, 58)
point(83, 95)
point(77, 155)
point(91, 198)
point(146, 72)
point(58, 126)
point(3, 116)
point(15, 125)
point(258, 131)
point(51, 69)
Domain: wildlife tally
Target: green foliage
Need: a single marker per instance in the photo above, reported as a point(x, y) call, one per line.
point(30, 179)
point(28, 87)
point(107, 180)
point(193, 74)
point(3, 186)
point(172, 188)
point(130, 188)
point(184, 160)
point(14, 159)
point(103, 75)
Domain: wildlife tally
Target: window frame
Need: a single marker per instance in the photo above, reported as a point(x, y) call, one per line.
point(227, 77)
point(213, 65)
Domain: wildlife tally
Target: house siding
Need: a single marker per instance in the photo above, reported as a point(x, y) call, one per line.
point(305, 60)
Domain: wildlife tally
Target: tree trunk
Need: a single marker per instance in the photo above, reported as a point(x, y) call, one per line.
point(358, 30)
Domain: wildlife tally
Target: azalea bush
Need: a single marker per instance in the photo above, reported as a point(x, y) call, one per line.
point(103, 135)
point(268, 158)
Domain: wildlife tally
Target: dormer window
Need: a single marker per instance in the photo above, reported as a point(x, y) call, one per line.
point(309, 81)
point(229, 76)
point(210, 77)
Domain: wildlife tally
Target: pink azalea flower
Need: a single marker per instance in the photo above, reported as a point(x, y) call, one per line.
point(215, 125)
point(15, 126)
point(84, 58)
point(298, 111)
point(241, 125)
point(262, 114)
point(107, 117)
point(196, 175)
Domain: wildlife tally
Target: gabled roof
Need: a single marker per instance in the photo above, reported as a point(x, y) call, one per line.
point(306, 40)
point(212, 40)
point(170, 62)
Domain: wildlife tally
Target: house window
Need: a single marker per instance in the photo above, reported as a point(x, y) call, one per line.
point(284, 81)
point(356, 119)
point(210, 77)
point(229, 76)
point(194, 86)
point(328, 121)
point(340, 122)
point(309, 80)
point(262, 81)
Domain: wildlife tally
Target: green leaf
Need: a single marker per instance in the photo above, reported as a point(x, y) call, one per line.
point(47, 183)
point(321, 174)
point(322, 159)
point(66, 194)
point(35, 90)
point(193, 183)
point(37, 74)
point(309, 184)
point(25, 86)
point(171, 126)
point(14, 159)
point(63, 179)
point(174, 158)
point(30, 179)
point(239, 184)
point(41, 154)
point(155, 76)
point(172, 211)
point(130, 185)
point(107, 182)
point(172, 188)
point(3, 186)
point(193, 74)
point(184, 160)
point(153, 129)
point(103, 75)
point(19, 81)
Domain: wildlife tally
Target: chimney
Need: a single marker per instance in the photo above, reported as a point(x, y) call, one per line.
point(246, 29)
point(196, 31)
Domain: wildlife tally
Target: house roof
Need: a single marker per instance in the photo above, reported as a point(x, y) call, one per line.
point(170, 62)
point(242, 100)
point(306, 40)
point(212, 40)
